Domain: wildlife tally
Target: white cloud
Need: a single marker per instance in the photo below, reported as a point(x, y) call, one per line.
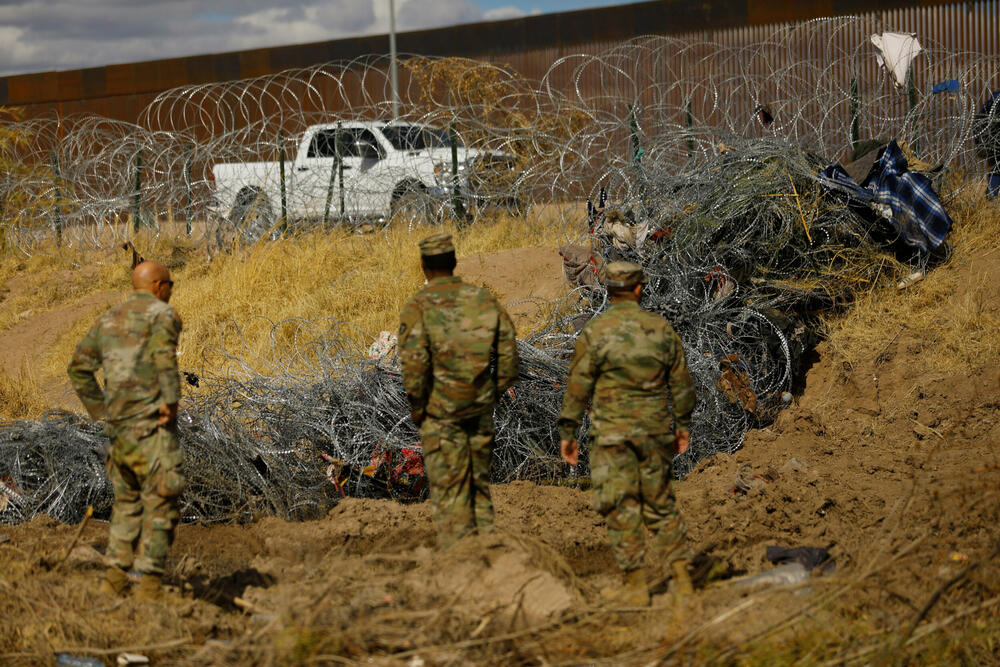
point(40, 35)
point(501, 13)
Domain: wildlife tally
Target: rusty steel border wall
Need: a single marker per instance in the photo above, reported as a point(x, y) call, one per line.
point(527, 45)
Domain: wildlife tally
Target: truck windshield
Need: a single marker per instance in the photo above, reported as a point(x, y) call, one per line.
point(416, 137)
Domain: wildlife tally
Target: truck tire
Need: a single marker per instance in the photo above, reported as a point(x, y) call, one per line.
point(252, 216)
point(411, 203)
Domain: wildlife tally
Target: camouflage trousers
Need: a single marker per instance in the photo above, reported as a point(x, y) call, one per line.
point(457, 456)
point(631, 490)
point(145, 472)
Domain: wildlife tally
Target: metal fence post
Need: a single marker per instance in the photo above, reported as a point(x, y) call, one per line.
point(188, 149)
point(55, 180)
point(281, 169)
point(689, 119)
point(456, 194)
point(855, 117)
point(633, 128)
point(333, 179)
point(137, 201)
point(911, 91)
point(340, 169)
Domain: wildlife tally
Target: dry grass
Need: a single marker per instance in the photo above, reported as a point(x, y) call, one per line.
point(349, 277)
point(19, 395)
point(953, 312)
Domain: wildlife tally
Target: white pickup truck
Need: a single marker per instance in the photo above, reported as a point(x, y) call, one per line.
point(387, 169)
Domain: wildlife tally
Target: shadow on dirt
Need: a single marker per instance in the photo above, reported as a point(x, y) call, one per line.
point(222, 591)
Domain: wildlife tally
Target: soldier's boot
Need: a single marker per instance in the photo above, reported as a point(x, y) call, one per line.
point(682, 580)
point(150, 588)
point(115, 582)
point(634, 592)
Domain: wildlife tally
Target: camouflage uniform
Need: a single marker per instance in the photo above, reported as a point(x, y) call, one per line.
point(448, 335)
point(632, 363)
point(136, 345)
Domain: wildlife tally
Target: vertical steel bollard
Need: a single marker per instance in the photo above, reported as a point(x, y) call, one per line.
point(281, 175)
point(188, 149)
point(456, 194)
point(137, 202)
point(55, 180)
point(340, 170)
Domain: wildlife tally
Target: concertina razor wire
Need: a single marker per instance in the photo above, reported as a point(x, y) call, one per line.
point(713, 149)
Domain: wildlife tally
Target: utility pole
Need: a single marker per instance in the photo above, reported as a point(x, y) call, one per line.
point(393, 78)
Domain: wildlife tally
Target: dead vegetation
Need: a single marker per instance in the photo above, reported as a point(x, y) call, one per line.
point(951, 320)
point(19, 395)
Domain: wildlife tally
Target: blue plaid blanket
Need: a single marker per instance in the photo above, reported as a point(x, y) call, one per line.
point(916, 211)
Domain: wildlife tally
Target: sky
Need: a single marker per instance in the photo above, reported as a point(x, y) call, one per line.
point(44, 35)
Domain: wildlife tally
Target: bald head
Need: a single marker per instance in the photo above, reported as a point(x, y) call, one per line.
point(154, 278)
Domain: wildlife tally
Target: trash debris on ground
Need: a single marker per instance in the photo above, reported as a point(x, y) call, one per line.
point(68, 660)
point(809, 557)
point(786, 575)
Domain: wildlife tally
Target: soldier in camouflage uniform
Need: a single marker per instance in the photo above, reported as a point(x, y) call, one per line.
point(135, 344)
point(449, 334)
point(631, 363)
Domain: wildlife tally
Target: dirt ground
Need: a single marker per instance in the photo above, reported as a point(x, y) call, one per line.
point(525, 280)
point(890, 466)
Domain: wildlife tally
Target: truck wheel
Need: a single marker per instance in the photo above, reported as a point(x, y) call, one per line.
point(411, 203)
point(252, 215)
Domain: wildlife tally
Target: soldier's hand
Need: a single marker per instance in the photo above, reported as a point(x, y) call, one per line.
point(168, 414)
point(570, 452)
point(683, 440)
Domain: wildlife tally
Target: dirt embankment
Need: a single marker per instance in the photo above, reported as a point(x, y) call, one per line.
point(891, 466)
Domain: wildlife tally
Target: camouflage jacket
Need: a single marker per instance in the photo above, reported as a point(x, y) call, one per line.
point(136, 345)
point(448, 332)
point(630, 361)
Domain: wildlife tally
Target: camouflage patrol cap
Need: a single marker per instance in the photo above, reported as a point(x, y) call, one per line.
point(436, 244)
point(623, 275)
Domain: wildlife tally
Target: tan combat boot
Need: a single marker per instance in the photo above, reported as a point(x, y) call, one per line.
point(636, 590)
point(115, 582)
point(633, 593)
point(682, 580)
point(150, 588)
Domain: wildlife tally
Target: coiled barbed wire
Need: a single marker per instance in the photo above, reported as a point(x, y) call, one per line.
point(742, 276)
point(92, 181)
point(743, 246)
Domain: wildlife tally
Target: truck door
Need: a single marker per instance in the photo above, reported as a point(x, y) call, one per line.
point(311, 177)
point(317, 179)
point(363, 156)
